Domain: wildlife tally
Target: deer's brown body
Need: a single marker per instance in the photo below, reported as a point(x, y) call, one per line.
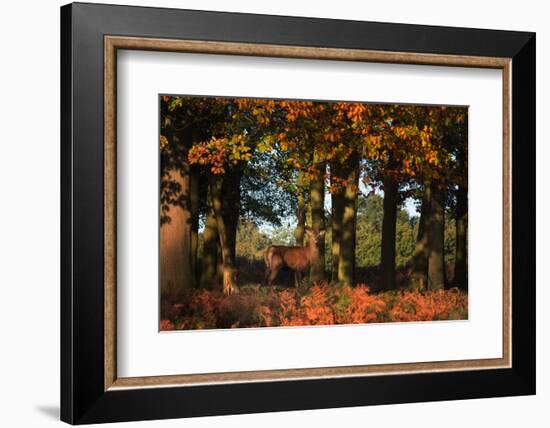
point(297, 259)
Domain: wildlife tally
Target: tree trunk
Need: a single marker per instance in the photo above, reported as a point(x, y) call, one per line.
point(175, 215)
point(228, 266)
point(317, 198)
point(419, 276)
point(209, 270)
point(436, 233)
point(389, 232)
point(337, 214)
point(175, 242)
point(299, 232)
point(194, 208)
point(461, 255)
point(346, 259)
point(231, 202)
point(337, 200)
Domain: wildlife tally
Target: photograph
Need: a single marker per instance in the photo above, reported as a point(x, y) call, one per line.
point(289, 212)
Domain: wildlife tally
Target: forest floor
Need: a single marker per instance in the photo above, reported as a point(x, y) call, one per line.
point(307, 305)
point(251, 273)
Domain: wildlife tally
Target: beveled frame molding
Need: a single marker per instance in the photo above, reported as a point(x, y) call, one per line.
point(113, 43)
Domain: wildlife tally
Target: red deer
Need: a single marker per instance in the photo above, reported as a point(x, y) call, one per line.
point(298, 259)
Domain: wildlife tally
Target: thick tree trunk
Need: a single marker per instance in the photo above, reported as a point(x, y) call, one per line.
point(461, 255)
point(176, 274)
point(436, 233)
point(229, 283)
point(231, 195)
point(317, 198)
point(389, 232)
point(209, 270)
point(175, 239)
point(300, 231)
point(346, 259)
point(419, 277)
point(337, 200)
point(194, 208)
point(337, 217)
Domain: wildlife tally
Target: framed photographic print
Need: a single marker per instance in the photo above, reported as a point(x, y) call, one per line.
point(265, 213)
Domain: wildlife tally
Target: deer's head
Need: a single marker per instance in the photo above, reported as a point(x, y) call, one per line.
point(314, 235)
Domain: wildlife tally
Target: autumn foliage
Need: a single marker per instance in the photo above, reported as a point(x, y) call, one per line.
point(276, 164)
point(316, 305)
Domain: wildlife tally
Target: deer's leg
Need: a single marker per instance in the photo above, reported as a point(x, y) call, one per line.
point(266, 276)
point(297, 278)
point(275, 265)
point(272, 276)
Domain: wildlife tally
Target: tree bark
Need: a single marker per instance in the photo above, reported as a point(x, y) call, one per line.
point(389, 223)
point(194, 208)
point(175, 242)
point(436, 232)
point(175, 267)
point(337, 200)
point(231, 202)
point(346, 259)
point(461, 256)
point(317, 198)
point(299, 232)
point(229, 283)
point(419, 276)
point(209, 270)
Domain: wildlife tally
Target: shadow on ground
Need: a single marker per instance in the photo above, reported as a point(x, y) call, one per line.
point(51, 411)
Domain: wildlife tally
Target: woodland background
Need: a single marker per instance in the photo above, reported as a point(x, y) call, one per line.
point(239, 175)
